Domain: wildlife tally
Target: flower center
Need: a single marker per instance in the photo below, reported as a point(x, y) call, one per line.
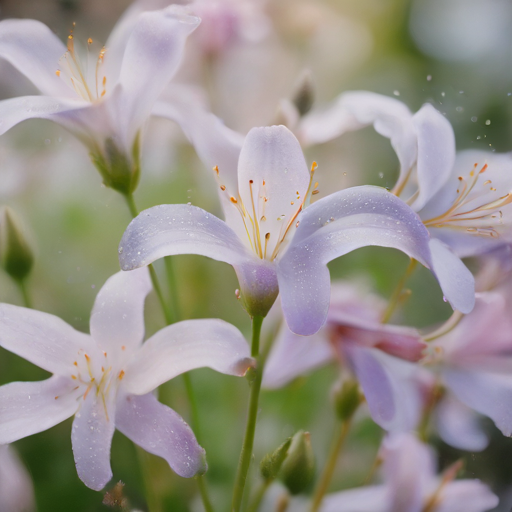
point(267, 237)
point(471, 212)
point(84, 75)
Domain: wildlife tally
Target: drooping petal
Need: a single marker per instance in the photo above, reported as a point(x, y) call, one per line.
point(436, 153)
point(179, 229)
point(91, 437)
point(340, 223)
point(456, 281)
point(161, 431)
point(355, 110)
point(34, 50)
point(466, 496)
point(16, 489)
point(152, 56)
point(389, 385)
point(117, 318)
point(458, 426)
point(294, 355)
point(185, 346)
point(30, 407)
point(41, 338)
point(487, 393)
point(365, 499)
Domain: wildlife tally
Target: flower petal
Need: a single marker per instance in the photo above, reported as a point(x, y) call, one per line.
point(365, 499)
point(294, 355)
point(152, 56)
point(91, 437)
point(487, 393)
point(356, 109)
point(389, 386)
point(41, 338)
point(179, 229)
point(16, 489)
point(185, 346)
point(456, 281)
point(27, 408)
point(117, 318)
point(436, 153)
point(161, 431)
point(331, 227)
point(466, 496)
point(34, 50)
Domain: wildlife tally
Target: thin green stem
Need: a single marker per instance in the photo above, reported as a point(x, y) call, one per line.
point(260, 493)
point(131, 205)
point(250, 429)
point(204, 494)
point(169, 319)
point(193, 405)
point(27, 300)
point(173, 289)
point(395, 297)
point(328, 471)
point(152, 496)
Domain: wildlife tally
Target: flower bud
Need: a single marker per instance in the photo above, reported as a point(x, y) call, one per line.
point(118, 170)
point(298, 469)
point(15, 253)
point(347, 398)
point(272, 462)
point(303, 96)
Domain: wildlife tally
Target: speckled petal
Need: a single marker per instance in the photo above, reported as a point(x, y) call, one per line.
point(30, 407)
point(185, 346)
point(161, 431)
point(338, 224)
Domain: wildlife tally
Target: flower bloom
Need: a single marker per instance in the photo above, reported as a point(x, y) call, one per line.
point(380, 356)
point(103, 100)
point(273, 241)
point(105, 379)
point(16, 489)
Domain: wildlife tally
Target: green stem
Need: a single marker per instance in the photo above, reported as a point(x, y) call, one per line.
point(250, 429)
point(260, 493)
point(193, 405)
point(173, 289)
point(395, 297)
point(131, 205)
point(169, 319)
point(204, 494)
point(152, 497)
point(328, 472)
point(27, 301)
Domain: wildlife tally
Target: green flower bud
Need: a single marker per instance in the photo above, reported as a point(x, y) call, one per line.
point(118, 170)
point(304, 96)
point(347, 398)
point(15, 253)
point(272, 462)
point(298, 469)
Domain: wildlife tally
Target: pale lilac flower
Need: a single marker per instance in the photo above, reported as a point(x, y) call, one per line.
point(411, 484)
point(106, 378)
point(16, 489)
point(276, 244)
point(102, 99)
point(379, 356)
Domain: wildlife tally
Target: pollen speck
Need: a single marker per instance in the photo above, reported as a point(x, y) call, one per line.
point(123, 348)
point(292, 203)
point(56, 398)
point(222, 187)
point(57, 72)
point(233, 200)
point(89, 41)
point(121, 374)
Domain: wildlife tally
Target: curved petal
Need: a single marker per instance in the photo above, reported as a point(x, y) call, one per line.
point(357, 109)
point(487, 393)
point(436, 153)
point(161, 431)
point(456, 281)
point(388, 383)
point(458, 426)
point(27, 408)
point(91, 437)
point(331, 227)
point(185, 346)
point(466, 496)
point(34, 50)
point(366, 499)
point(16, 489)
point(294, 355)
point(117, 318)
point(152, 56)
point(179, 229)
point(41, 338)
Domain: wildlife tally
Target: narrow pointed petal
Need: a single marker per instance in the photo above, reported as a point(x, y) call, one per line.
point(456, 281)
point(436, 153)
point(294, 355)
point(117, 318)
point(487, 393)
point(338, 224)
point(161, 431)
point(467, 496)
point(152, 56)
point(355, 110)
point(179, 229)
point(44, 340)
point(27, 408)
point(91, 437)
point(365, 499)
point(185, 346)
point(458, 426)
point(389, 386)
point(34, 50)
